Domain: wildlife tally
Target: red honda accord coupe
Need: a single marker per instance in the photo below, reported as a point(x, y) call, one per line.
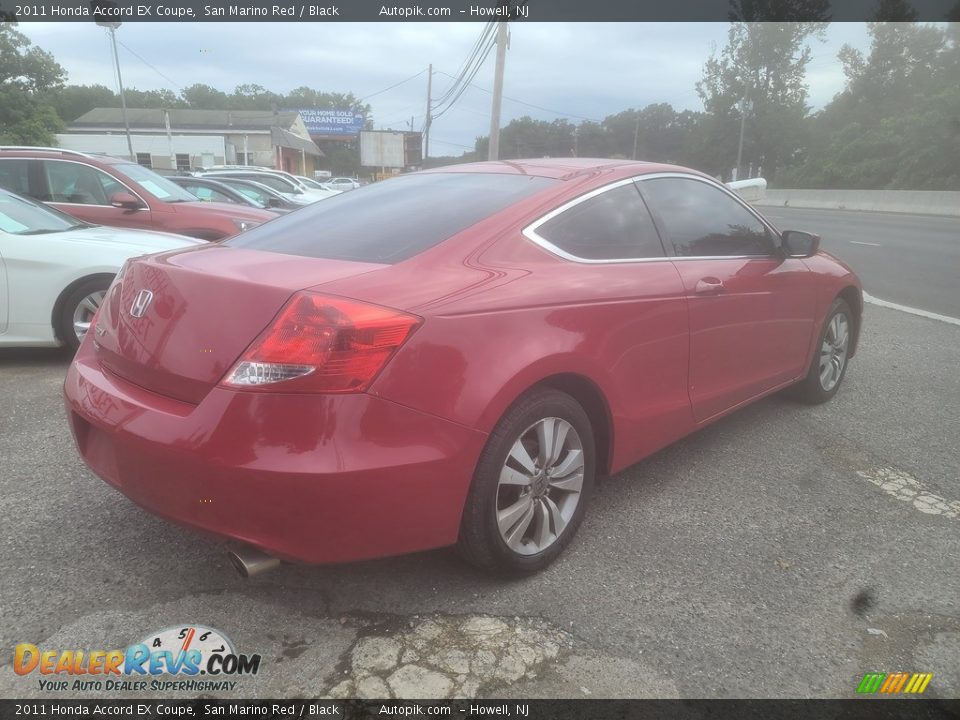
point(449, 357)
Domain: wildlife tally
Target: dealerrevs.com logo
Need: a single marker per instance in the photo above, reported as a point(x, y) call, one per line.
point(201, 658)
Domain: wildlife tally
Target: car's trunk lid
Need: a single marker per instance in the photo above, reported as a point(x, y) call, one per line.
point(205, 306)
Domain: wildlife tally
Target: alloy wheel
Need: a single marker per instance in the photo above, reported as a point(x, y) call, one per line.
point(833, 351)
point(84, 312)
point(540, 485)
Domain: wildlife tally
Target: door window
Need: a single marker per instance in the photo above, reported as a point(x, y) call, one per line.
point(71, 182)
point(614, 225)
point(208, 194)
point(704, 221)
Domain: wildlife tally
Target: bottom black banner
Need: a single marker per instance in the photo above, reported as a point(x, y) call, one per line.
point(856, 709)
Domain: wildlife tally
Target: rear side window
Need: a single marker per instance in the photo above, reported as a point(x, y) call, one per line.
point(704, 221)
point(14, 175)
point(392, 220)
point(614, 225)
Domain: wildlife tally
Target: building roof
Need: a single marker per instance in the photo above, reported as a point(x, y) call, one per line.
point(186, 119)
point(284, 138)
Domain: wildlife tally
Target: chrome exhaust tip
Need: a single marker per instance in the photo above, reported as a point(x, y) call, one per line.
point(249, 561)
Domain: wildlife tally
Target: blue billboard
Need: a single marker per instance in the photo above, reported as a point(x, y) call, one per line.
point(331, 122)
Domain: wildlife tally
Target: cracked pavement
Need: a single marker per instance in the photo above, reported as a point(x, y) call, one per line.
point(796, 548)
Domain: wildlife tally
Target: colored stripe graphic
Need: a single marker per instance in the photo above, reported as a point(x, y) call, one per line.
point(871, 682)
point(894, 683)
point(918, 683)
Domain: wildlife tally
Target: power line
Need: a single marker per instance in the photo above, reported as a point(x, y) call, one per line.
point(447, 142)
point(466, 64)
point(522, 102)
point(380, 92)
point(134, 53)
point(469, 70)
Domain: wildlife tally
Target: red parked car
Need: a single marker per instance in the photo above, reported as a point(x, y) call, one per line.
point(453, 360)
point(109, 191)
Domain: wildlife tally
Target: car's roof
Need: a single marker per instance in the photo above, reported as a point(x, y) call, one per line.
point(559, 168)
point(25, 151)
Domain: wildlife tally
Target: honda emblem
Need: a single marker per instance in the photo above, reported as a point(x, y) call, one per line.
point(140, 303)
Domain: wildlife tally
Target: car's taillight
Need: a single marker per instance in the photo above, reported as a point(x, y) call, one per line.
point(322, 344)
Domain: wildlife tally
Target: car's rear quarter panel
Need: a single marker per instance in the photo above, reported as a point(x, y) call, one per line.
point(525, 316)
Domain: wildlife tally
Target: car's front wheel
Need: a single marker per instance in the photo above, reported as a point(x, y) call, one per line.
point(531, 486)
point(830, 359)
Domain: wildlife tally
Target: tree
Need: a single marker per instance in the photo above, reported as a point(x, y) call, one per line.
point(204, 97)
point(763, 64)
point(895, 11)
point(27, 74)
point(254, 97)
point(74, 100)
point(305, 97)
point(152, 99)
point(897, 122)
point(779, 11)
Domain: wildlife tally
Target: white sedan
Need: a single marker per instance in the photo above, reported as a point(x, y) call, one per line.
point(55, 270)
point(342, 184)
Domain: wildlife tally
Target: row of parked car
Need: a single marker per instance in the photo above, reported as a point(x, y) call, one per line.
point(69, 220)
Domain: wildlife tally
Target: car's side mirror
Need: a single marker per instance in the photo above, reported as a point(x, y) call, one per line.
point(125, 200)
point(273, 202)
point(799, 244)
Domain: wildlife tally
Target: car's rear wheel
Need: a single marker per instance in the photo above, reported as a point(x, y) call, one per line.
point(78, 309)
point(830, 359)
point(531, 486)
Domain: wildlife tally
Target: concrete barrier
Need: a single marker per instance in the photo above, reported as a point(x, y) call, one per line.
point(923, 202)
point(751, 190)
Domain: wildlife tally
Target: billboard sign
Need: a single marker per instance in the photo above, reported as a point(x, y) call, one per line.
point(343, 123)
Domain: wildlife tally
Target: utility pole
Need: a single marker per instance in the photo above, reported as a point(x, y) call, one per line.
point(112, 27)
point(636, 137)
point(494, 144)
point(426, 125)
point(173, 154)
point(744, 108)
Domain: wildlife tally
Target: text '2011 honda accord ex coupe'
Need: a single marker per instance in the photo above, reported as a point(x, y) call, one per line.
point(449, 357)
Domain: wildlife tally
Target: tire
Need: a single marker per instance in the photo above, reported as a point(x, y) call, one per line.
point(819, 386)
point(511, 527)
point(77, 310)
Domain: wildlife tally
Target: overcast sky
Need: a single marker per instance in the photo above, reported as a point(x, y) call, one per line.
point(581, 70)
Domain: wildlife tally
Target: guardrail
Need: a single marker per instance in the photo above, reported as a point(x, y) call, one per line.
point(922, 202)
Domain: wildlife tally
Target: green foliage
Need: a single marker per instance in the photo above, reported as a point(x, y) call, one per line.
point(74, 100)
point(27, 75)
point(156, 99)
point(897, 123)
point(761, 72)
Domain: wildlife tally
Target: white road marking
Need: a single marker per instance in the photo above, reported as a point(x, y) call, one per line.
point(857, 242)
point(904, 486)
point(913, 311)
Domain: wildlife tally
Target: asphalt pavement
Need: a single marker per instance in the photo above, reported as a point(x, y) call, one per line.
point(912, 260)
point(782, 552)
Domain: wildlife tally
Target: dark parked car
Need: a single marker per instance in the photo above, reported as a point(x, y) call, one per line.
point(450, 357)
point(109, 191)
point(215, 191)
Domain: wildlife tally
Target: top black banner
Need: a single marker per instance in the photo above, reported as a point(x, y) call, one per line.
point(107, 11)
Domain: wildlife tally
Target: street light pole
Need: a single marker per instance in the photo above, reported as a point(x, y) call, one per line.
point(112, 27)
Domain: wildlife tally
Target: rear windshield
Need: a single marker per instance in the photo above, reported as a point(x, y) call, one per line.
point(393, 220)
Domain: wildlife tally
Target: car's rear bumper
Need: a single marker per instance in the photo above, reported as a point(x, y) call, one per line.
point(321, 478)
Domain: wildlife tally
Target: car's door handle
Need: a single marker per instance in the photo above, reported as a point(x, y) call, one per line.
point(709, 286)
